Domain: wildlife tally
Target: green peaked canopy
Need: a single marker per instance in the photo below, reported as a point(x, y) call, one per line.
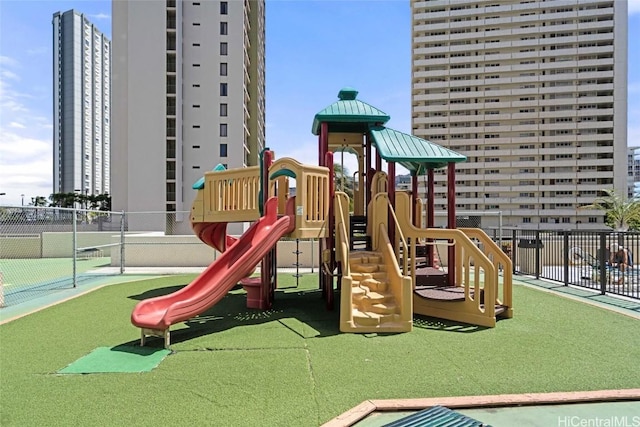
point(349, 114)
point(415, 154)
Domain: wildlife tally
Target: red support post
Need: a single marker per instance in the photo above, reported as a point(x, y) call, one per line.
point(367, 165)
point(391, 191)
point(451, 220)
point(323, 142)
point(417, 216)
point(328, 281)
point(431, 188)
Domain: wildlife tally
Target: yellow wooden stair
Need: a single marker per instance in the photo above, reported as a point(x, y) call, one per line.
point(373, 305)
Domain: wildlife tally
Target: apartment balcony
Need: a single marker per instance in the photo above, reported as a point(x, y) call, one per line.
point(569, 100)
point(595, 87)
point(595, 12)
point(597, 112)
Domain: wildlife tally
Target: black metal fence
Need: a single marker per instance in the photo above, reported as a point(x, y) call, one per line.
point(577, 257)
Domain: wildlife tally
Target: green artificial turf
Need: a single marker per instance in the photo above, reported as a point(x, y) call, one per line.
point(290, 366)
point(121, 358)
point(18, 272)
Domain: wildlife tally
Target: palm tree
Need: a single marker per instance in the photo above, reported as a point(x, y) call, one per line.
point(620, 212)
point(343, 179)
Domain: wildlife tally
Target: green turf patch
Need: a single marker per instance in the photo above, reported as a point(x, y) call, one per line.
point(122, 358)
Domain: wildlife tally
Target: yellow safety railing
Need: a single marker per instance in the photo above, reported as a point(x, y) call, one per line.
point(341, 214)
point(312, 195)
point(399, 283)
point(473, 269)
point(501, 262)
point(231, 195)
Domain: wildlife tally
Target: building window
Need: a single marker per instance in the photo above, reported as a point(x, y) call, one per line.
point(223, 68)
point(223, 110)
point(224, 28)
point(196, 24)
point(224, 7)
point(223, 48)
point(526, 220)
point(223, 129)
point(196, 106)
point(223, 150)
point(223, 89)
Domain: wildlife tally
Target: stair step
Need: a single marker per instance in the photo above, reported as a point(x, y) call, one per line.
point(369, 318)
point(384, 308)
point(365, 257)
point(365, 268)
point(374, 285)
point(358, 293)
point(358, 277)
point(373, 297)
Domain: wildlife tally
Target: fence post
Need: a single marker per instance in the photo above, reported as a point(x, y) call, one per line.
point(538, 243)
point(312, 244)
point(603, 263)
point(122, 221)
point(74, 238)
point(514, 257)
point(500, 230)
point(1, 290)
point(565, 255)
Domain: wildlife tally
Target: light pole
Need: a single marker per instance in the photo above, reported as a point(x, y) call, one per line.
point(22, 195)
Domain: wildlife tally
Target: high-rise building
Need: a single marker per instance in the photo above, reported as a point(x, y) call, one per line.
point(188, 80)
point(81, 106)
point(534, 93)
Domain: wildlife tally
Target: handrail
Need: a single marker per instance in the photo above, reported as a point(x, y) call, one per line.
point(499, 259)
point(405, 258)
point(466, 252)
point(342, 243)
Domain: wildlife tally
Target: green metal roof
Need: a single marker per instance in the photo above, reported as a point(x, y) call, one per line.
point(348, 114)
point(415, 154)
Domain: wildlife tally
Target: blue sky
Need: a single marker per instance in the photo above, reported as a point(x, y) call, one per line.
point(314, 48)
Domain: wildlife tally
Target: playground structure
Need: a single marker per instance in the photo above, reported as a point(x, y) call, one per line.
point(379, 256)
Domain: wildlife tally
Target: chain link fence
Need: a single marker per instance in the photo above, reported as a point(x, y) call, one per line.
point(45, 250)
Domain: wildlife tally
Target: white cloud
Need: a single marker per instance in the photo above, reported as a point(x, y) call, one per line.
point(25, 143)
point(10, 75)
point(25, 168)
point(5, 60)
point(100, 16)
point(634, 6)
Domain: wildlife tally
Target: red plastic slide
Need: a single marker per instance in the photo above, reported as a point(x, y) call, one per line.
point(220, 277)
point(214, 234)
